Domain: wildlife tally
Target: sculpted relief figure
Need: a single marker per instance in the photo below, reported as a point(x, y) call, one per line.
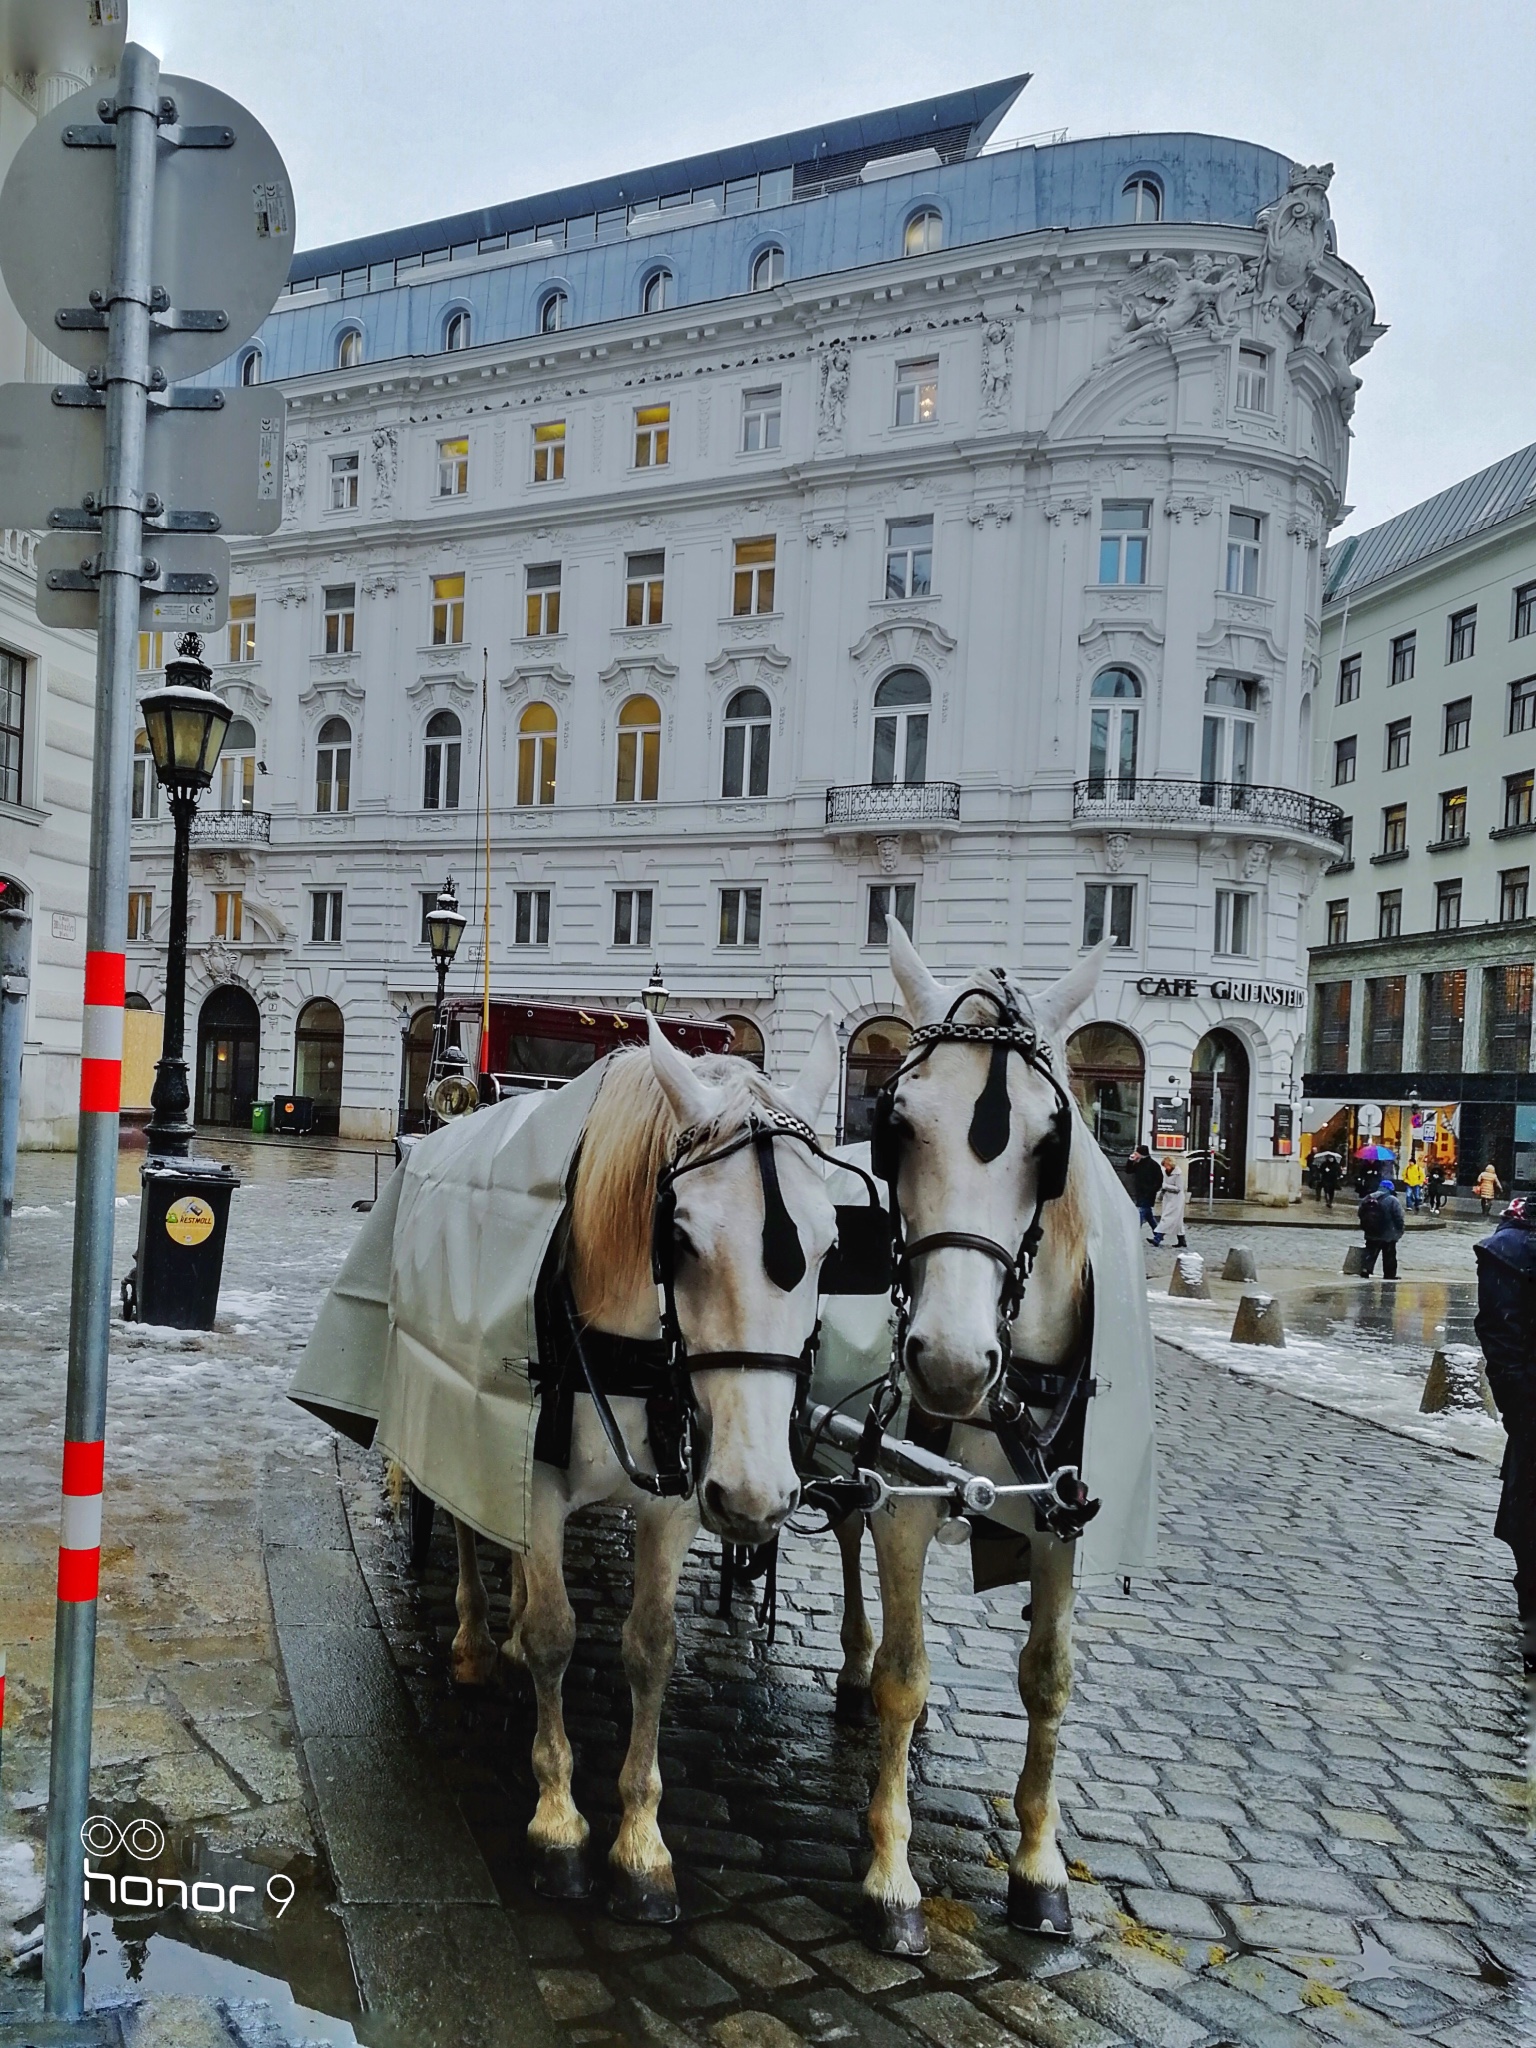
point(1338, 326)
point(385, 458)
point(1298, 232)
point(1165, 300)
point(295, 464)
point(833, 409)
point(996, 369)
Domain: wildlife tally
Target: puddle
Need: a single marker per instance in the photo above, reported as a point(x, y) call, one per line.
point(1395, 1325)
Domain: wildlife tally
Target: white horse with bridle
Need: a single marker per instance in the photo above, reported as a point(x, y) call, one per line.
point(1021, 1331)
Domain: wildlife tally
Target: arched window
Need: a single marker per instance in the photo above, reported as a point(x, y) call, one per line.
point(746, 1040)
point(657, 295)
point(748, 726)
point(417, 1057)
point(237, 767)
point(768, 268)
point(901, 728)
point(250, 366)
point(456, 331)
point(1113, 733)
point(333, 766)
point(440, 777)
point(554, 312)
point(319, 1044)
point(537, 732)
point(1141, 199)
point(349, 348)
point(1228, 738)
point(639, 751)
point(1106, 1070)
point(146, 784)
point(925, 232)
point(875, 1051)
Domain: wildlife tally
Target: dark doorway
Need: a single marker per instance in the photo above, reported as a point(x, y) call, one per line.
point(228, 1056)
point(417, 1072)
point(319, 1048)
point(1218, 1106)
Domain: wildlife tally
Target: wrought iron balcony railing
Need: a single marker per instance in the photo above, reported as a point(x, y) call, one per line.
point(232, 828)
point(1142, 800)
point(893, 804)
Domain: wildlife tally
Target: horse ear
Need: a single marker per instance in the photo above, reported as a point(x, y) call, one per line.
point(1064, 998)
point(693, 1100)
point(808, 1091)
point(919, 991)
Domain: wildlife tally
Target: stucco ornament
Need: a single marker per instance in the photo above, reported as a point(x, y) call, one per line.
point(1116, 847)
point(1165, 299)
point(386, 457)
point(996, 370)
point(295, 471)
point(1339, 328)
point(1298, 232)
point(832, 410)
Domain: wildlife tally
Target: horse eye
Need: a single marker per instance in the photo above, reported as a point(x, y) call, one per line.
point(682, 1243)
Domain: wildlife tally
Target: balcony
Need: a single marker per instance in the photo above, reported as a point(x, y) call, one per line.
point(232, 828)
point(1143, 802)
point(894, 807)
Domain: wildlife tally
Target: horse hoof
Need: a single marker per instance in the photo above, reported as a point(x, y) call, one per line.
point(855, 1706)
point(896, 1930)
point(560, 1873)
point(475, 1667)
point(644, 1898)
point(1039, 1909)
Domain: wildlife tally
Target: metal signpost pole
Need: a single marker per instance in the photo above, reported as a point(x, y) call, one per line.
point(127, 379)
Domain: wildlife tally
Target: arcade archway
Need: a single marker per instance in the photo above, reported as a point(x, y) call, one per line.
point(1218, 1115)
point(228, 1057)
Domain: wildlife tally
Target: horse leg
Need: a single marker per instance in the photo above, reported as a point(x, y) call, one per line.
point(473, 1656)
point(517, 1592)
point(899, 1686)
point(641, 1884)
point(854, 1705)
point(1037, 1877)
point(557, 1834)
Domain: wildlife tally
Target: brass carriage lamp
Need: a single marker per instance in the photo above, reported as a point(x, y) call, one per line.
point(185, 722)
point(656, 995)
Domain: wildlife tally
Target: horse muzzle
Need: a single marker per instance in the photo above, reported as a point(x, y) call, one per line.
point(949, 1384)
point(748, 1516)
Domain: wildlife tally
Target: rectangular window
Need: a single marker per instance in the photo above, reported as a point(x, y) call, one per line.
point(1442, 1019)
point(1394, 829)
point(1344, 752)
point(1244, 533)
point(1514, 895)
point(653, 435)
point(644, 579)
point(632, 917)
point(325, 917)
point(530, 917)
point(151, 652)
point(917, 392)
point(908, 557)
point(1399, 733)
point(1331, 1003)
point(1448, 906)
point(242, 628)
point(1389, 914)
point(1349, 679)
point(549, 452)
point(741, 917)
point(428, 905)
point(1338, 923)
point(543, 599)
point(340, 618)
point(1237, 923)
point(1525, 612)
point(1462, 635)
point(760, 416)
point(1346, 843)
point(1522, 705)
point(1108, 908)
point(752, 584)
point(448, 610)
point(141, 908)
point(13, 696)
point(1124, 538)
point(1517, 800)
point(1384, 1006)
point(344, 477)
point(1458, 726)
point(1252, 380)
point(888, 900)
point(1507, 1018)
point(229, 914)
point(1404, 649)
point(452, 468)
point(1453, 816)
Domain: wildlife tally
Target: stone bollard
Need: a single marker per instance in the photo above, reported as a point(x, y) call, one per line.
point(1354, 1259)
point(1241, 1264)
point(1188, 1277)
point(1457, 1382)
point(1259, 1321)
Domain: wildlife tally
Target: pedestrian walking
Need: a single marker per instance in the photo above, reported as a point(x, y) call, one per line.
point(1327, 1172)
point(1381, 1219)
point(1506, 1329)
point(1414, 1178)
point(1489, 1187)
point(1170, 1220)
point(1434, 1187)
point(1146, 1185)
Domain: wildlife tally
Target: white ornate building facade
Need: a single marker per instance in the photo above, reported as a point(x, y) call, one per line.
point(860, 523)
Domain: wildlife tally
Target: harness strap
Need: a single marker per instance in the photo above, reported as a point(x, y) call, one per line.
point(752, 1361)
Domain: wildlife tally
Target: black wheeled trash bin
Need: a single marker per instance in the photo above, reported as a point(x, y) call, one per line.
point(183, 1219)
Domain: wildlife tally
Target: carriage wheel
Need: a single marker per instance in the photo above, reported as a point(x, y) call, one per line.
point(423, 1511)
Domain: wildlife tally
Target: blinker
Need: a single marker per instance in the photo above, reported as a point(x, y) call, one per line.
point(988, 1135)
point(783, 1253)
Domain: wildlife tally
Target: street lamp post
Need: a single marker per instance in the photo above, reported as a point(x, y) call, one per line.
point(656, 995)
point(445, 928)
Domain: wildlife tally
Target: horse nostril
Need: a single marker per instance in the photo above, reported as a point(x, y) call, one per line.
point(714, 1497)
point(915, 1349)
point(994, 1358)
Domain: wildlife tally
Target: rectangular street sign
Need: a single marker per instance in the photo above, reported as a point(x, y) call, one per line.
point(228, 462)
point(191, 590)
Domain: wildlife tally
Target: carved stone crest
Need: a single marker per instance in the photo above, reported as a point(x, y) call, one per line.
point(1298, 232)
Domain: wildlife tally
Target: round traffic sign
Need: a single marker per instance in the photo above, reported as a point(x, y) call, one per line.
point(223, 239)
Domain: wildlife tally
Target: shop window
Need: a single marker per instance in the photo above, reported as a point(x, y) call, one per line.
point(1107, 1073)
point(747, 1041)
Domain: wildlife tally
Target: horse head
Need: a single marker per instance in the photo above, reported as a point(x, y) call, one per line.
point(976, 1136)
point(747, 1221)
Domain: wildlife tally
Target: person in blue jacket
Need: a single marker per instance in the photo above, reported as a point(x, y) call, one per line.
point(1506, 1329)
point(1381, 1218)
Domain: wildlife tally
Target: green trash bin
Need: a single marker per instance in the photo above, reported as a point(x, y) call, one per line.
point(261, 1118)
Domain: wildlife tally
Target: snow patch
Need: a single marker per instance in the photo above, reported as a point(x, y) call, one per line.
point(21, 1896)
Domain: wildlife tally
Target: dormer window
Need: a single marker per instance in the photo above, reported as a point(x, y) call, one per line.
point(1141, 200)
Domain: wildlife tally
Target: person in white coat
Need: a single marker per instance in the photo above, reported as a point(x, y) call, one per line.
point(1170, 1220)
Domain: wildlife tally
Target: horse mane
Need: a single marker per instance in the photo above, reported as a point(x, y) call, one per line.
point(628, 1139)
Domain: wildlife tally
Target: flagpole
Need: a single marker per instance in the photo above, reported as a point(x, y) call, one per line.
point(485, 750)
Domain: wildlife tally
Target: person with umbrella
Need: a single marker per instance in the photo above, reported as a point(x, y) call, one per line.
point(1327, 1172)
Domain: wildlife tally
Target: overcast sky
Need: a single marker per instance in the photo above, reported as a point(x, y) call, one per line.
point(391, 111)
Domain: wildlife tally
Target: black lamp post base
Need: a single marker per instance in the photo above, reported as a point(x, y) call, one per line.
point(169, 1131)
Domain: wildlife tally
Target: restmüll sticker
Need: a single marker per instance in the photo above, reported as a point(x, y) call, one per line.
point(189, 1220)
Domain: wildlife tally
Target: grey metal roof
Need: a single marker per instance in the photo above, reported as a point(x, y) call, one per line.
point(1494, 495)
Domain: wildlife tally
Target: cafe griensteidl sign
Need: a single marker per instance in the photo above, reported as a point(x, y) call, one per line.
point(1264, 995)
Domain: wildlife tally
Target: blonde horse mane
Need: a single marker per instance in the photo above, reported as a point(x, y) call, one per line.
point(628, 1140)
